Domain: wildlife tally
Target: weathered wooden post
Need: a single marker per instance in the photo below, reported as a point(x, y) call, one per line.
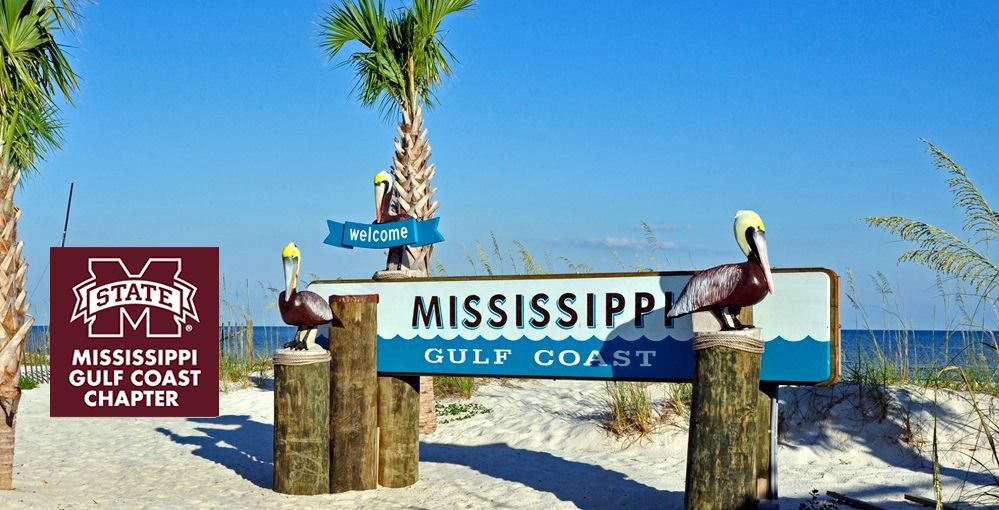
point(398, 430)
point(248, 347)
point(722, 445)
point(353, 393)
point(301, 421)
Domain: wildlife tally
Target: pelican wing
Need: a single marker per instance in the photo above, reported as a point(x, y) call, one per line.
point(316, 305)
point(707, 288)
point(304, 309)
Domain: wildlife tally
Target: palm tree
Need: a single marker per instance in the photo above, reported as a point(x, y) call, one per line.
point(402, 59)
point(35, 72)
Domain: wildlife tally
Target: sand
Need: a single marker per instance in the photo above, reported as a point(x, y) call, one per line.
point(542, 446)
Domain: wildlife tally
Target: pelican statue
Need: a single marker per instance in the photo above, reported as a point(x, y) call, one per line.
point(725, 289)
point(383, 199)
point(305, 309)
point(384, 214)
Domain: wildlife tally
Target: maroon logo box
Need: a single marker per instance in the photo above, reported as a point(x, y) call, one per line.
point(134, 332)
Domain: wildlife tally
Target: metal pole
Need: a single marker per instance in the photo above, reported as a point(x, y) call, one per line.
point(65, 224)
point(773, 444)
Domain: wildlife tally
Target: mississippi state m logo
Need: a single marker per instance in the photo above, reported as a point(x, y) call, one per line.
point(154, 297)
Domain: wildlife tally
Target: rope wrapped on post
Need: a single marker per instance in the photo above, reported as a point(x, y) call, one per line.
point(288, 357)
point(748, 340)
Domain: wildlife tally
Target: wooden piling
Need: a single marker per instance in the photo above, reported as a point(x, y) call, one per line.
point(722, 449)
point(248, 346)
point(398, 430)
point(301, 422)
point(353, 393)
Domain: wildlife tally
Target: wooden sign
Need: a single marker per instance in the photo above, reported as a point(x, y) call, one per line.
point(589, 326)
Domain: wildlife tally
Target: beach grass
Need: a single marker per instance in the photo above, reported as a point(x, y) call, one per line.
point(678, 398)
point(631, 409)
point(454, 387)
point(36, 357)
point(887, 359)
point(237, 372)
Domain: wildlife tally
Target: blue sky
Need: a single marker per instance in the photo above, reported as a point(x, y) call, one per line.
point(565, 126)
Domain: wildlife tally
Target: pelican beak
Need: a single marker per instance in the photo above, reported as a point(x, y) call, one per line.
point(289, 275)
point(760, 240)
point(379, 193)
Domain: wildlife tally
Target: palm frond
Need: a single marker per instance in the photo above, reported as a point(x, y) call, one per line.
point(941, 251)
point(34, 63)
point(979, 217)
point(404, 56)
point(35, 69)
point(362, 21)
point(28, 135)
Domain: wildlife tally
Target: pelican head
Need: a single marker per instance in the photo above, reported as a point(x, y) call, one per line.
point(290, 256)
point(383, 183)
point(750, 233)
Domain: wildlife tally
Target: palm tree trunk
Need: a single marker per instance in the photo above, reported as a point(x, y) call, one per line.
point(13, 326)
point(413, 172)
point(415, 196)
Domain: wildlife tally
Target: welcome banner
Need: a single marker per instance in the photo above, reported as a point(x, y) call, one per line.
point(383, 235)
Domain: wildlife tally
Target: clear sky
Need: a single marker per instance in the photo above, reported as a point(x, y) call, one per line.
point(565, 126)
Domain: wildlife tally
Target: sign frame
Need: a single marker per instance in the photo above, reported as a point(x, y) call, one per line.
point(834, 316)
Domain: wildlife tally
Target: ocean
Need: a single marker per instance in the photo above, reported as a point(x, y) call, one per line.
point(924, 348)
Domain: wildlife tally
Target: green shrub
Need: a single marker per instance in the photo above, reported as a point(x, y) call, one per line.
point(457, 411)
point(27, 384)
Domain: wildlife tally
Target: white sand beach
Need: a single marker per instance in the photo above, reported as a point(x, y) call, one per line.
point(541, 446)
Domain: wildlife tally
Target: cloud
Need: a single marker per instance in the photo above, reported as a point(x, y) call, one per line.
point(615, 243)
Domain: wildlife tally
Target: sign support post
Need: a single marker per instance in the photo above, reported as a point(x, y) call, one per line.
point(353, 393)
point(398, 430)
point(722, 442)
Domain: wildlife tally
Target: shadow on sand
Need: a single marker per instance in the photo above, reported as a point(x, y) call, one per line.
point(585, 485)
point(236, 442)
point(804, 411)
point(246, 447)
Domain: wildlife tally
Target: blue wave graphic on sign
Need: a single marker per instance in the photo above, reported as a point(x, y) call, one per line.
point(641, 359)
